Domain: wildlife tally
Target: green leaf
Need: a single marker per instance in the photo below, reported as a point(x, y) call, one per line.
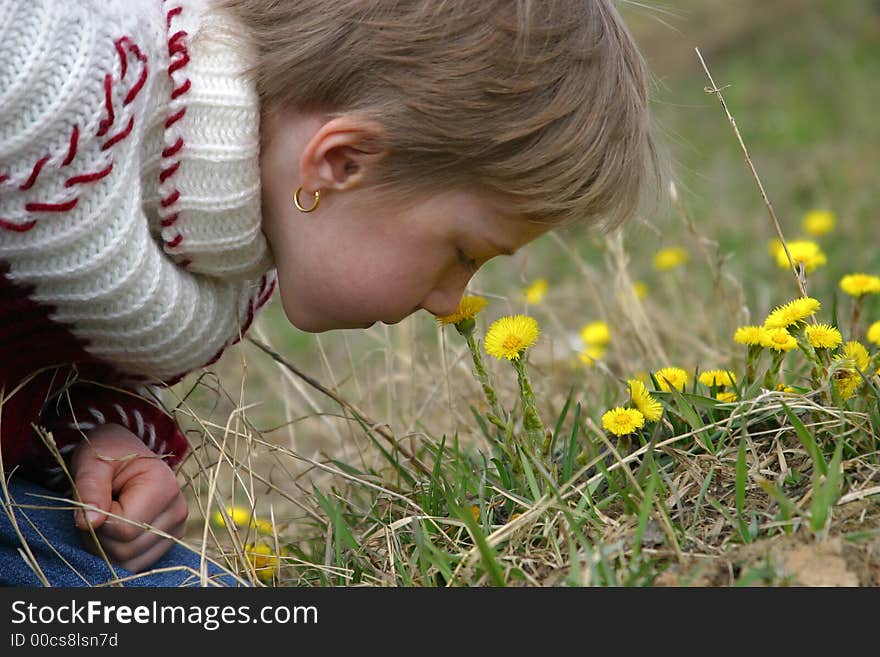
point(828, 492)
point(807, 439)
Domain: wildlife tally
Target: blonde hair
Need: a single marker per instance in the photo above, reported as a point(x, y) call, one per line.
point(542, 103)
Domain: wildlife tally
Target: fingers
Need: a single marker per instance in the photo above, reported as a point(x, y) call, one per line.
point(94, 481)
point(145, 545)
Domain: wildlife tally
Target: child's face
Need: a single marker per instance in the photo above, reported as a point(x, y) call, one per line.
point(354, 262)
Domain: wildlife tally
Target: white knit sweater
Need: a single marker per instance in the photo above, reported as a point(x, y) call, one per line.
point(129, 181)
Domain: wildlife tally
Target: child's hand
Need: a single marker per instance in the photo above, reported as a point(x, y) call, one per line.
point(141, 488)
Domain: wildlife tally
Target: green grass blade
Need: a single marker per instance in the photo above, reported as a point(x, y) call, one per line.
point(807, 439)
point(827, 492)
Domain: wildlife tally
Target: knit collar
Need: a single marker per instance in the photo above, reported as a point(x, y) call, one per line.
point(210, 179)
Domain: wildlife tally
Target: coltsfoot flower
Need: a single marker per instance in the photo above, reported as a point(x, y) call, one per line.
point(643, 401)
point(510, 336)
point(874, 333)
point(793, 312)
point(242, 518)
point(535, 293)
point(595, 334)
point(823, 336)
point(591, 354)
point(468, 308)
point(719, 378)
point(778, 339)
point(670, 258)
point(671, 376)
point(263, 561)
point(847, 380)
point(802, 252)
point(622, 421)
point(726, 397)
point(856, 352)
point(819, 222)
point(749, 335)
point(858, 285)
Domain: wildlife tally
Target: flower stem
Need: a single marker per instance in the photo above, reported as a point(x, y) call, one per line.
point(531, 420)
point(496, 416)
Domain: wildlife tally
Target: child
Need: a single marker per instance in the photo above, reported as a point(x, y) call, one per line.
point(157, 159)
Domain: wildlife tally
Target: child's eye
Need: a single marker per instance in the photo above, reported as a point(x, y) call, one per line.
point(469, 263)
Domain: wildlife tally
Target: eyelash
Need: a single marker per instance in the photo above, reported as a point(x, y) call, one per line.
point(469, 263)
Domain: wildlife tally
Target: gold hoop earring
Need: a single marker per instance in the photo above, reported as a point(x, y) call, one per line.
point(300, 206)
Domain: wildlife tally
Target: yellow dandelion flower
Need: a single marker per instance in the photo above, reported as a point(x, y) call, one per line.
point(726, 397)
point(823, 336)
point(719, 378)
point(591, 354)
point(858, 285)
point(778, 339)
point(622, 421)
point(670, 258)
point(536, 292)
point(640, 289)
point(874, 333)
point(819, 222)
point(802, 251)
point(856, 352)
point(239, 515)
point(595, 334)
point(782, 387)
point(468, 308)
point(847, 381)
point(749, 335)
point(262, 560)
point(671, 376)
point(774, 246)
point(510, 336)
point(643, 401)
point(793, 312)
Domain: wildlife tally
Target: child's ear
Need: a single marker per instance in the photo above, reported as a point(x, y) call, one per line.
point(341, 153)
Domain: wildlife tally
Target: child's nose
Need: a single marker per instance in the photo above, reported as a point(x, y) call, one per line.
point(443, 301)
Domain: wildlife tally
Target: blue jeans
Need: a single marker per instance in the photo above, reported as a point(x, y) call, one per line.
point(57, 547)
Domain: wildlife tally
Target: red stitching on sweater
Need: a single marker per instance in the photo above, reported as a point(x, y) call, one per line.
point(34, 173)
point(179, 63)
point(89, 177)
point(119, 136)
point(174, 118)
point(17, 228)
point(171, 13)
point(105, 124)
point(4, 178)
point(176, 44)
point(186, 262)
point(166, 173)
point(176, 241)
point(71, 149)
point(171, 150)
point(169, 221)
point(136, 87)
point(123, 60)
point(51, 207)
point(182, 89)
point(170, 200)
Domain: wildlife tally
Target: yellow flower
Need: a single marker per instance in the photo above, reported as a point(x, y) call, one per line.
point(847, 381)
point(535, 292)
point(856, 352)
point(718, 378)
point(819, 222)
point(468, 308)
point(510, 336)
point(778, 339)
point(784, 388)
point(595, 334)
point(263, 561)
point(643, 401)
point(241, 517)
point(793, 312)
point(591, 354)
point(857, 285)
point(823, 336)
point(640, 289)
point(750, 335)
point(622, 421)
point(874, 333)
point(726, 397)
point(802, 251)
point(670, 258)
point(671, 376)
